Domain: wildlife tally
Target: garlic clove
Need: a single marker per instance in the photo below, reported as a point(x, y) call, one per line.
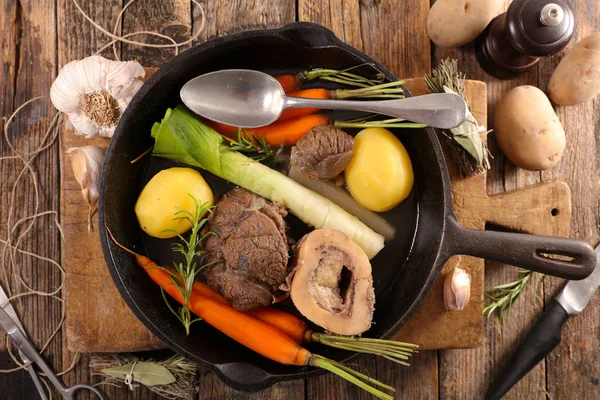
point(457, 289)
point(87, 163)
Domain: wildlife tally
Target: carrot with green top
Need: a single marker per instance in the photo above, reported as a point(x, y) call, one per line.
point(255, 334)
point(293, 82)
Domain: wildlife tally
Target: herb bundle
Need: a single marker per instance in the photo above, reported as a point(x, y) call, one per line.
point(468, 149)
point(173, 378)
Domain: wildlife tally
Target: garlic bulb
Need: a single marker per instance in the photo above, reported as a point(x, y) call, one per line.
point(87, 164)
point(457, 289)
point(94, 92)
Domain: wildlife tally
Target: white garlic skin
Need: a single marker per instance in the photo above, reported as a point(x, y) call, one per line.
point(87, 163)
point(117, 80)
point(457, 289)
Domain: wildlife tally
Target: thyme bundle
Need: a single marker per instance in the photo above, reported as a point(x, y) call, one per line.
point(173, 378)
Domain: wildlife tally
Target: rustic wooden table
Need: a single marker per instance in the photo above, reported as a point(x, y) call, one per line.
point(39, 36)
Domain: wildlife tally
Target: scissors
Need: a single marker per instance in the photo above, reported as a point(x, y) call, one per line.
point(10, 322)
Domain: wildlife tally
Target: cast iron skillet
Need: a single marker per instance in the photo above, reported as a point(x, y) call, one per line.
point(428, 233)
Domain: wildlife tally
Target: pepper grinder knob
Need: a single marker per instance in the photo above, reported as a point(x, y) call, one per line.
point(514, 41)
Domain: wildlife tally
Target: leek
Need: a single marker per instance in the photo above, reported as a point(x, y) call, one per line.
point(180, 136)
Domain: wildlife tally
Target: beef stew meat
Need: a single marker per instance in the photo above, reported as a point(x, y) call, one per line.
point(252, 247)
point(323, 152)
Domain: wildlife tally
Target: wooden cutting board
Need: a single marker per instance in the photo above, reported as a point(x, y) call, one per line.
point(543, 209)
point(98, 320)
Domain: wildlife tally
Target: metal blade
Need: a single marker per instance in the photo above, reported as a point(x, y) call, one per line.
point(10, 311)
point(577, 294)
point(5, 303)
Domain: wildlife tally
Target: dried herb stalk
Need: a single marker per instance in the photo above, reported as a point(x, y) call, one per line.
point(469, 151)
point(114, 369)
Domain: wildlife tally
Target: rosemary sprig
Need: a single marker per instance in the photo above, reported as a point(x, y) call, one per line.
point(505, 295)
point(246, 143)
point(468, 149)
point(185, 272)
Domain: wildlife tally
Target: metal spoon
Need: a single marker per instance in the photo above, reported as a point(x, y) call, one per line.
point(250, 99)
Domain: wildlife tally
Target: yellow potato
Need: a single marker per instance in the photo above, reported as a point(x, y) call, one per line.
point(380, 174)
point(167, 193)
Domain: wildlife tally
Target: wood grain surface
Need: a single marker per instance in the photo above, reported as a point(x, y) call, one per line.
point(40, 36)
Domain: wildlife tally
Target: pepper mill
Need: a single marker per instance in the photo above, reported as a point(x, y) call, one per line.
point(514, 41)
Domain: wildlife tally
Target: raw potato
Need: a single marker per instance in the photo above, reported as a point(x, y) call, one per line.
point(528, 130)
point(576, 80)
point(165, 194)
point(452, 23)
point(380, 174)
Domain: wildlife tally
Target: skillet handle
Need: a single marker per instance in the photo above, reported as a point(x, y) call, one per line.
point(576, 259)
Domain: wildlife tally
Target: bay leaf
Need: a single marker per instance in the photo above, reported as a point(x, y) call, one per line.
point(146, 373)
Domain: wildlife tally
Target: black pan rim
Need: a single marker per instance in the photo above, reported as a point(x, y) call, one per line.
point(108, 254)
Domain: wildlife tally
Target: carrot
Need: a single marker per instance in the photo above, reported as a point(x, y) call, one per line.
point(223, 129)
point(252, 333)
point(316, 93)
point(289, 82)
point(243, 328)
point(202, 289)
point(155, 272)
point(290, 131)
point(288, 323)
point(287, 131)
point(255, 334)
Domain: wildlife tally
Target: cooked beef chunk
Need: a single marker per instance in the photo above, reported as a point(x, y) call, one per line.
point(323, 152)
point(253, 247)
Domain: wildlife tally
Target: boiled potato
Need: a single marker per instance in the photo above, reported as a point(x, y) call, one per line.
point(168, 192)
point(528, 130)
point(452, 23)
point(576, 80)
point(379, 175)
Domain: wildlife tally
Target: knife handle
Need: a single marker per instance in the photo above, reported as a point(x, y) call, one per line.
point(543, 337)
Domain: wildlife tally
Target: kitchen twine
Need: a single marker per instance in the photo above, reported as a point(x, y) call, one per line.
point(13, 281)
point(129, 378)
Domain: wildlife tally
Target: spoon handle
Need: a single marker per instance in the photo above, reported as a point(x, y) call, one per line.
point(440, 110)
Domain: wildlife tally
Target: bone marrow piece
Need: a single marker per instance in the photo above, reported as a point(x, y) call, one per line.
point(332, 284)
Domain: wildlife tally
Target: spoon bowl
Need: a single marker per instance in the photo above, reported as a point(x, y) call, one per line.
point(237, 97)
point(251, 99)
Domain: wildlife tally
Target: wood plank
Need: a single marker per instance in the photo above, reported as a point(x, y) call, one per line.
point(77, 39)
point(170, 18)
point(89, 293)
point(29, 65)
point(382, 29)
point(432, 326)
point(368, 26)
point(572, 370)
point(225, 17)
